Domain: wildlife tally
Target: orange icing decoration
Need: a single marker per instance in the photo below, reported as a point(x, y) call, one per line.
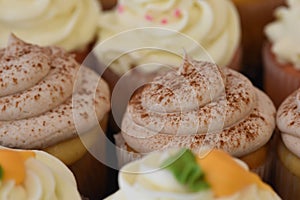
point(225, 175)
point(13, 164)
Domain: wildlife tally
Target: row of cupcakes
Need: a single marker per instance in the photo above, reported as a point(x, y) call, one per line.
point(50, 102)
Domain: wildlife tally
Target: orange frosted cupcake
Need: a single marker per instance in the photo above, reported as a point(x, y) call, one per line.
point(49, 102)
point(254, 14)
point(287, 178)
point(281, 53)
point(181, 175)
point(199, 106)
point(71, 25)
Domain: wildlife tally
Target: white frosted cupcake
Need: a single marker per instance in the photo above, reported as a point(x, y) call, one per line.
point(182, 175)
point(28, 175)
point(71, 25)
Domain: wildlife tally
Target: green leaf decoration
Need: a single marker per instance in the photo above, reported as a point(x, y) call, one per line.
point(186, 170)
point(1, 172)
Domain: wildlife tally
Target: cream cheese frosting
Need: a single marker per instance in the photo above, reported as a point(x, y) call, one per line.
point(43, 92)
point(288, 122)
point(46, 178)
point(199, 105)
point(284, 33)
point(212, 24)
point(145, 179)
point(71, 24)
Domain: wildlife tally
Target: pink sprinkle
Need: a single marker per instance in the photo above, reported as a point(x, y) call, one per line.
point(177, 13)
point(164, 21)
point(148, 17)
point(120, 8)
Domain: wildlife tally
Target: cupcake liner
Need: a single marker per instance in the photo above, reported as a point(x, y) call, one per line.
point(286, 182)
point(124, 154)
point(279, 80)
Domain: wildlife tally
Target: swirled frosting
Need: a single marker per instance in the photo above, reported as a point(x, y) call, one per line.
point(43, 90)
point(211, 24)
point(199, 105)
point(288, 122)
point(145, 179)
point(284, 32)
point(71, 24)
point(45, 178)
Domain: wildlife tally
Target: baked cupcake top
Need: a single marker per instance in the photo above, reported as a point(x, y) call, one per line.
point(28, 175)
point(43, 92)
point(70, 24)
point(182, 175)
point(212, 24)
point(199, 105)
point(288, 122)
point(284, 33)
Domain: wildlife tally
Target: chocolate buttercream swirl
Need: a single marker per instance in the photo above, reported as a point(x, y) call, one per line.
point(199, 105)
point(38, 100)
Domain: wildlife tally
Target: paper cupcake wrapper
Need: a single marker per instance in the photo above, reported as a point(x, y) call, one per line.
point(279, 80)
point(286, 183)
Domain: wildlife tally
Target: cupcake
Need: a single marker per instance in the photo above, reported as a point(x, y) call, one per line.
point(49, 102)
point(287, 179)
point(199, 106)
point(108, 4)
point(281, 60)
point(254, 14)
point(148, 37)
point(180, 174)
point(71, 25)
point(35, 175)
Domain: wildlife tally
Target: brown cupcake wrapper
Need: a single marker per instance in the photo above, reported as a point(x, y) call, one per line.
point(280, 80)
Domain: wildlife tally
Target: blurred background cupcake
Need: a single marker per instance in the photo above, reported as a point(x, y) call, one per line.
point(254, 14)
point(49, 101)
point(139, 39)
point(35, 175)
point(281, 53)
point(71, 24)
point(108, 4)
point(199, 106)
point(287, 174)
point(182, 175)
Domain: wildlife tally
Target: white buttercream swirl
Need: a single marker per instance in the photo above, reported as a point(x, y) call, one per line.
point(145, 179)
point(46, 178)
point(284, 33)
point(213, 24)
point(71, 24)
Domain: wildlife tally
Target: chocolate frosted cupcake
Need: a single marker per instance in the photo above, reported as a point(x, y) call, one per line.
point(71, 25)
point(287, 179)
point(35, 175)
point(200, 106)
point(49, 102)
point(281, 53)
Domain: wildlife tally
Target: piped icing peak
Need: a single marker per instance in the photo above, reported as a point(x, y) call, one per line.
point(35, 175)
point(228, 178)
point(199, 105)
point(283, 33)
point(211, 24)
point(42, 91)
point(71, 26)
